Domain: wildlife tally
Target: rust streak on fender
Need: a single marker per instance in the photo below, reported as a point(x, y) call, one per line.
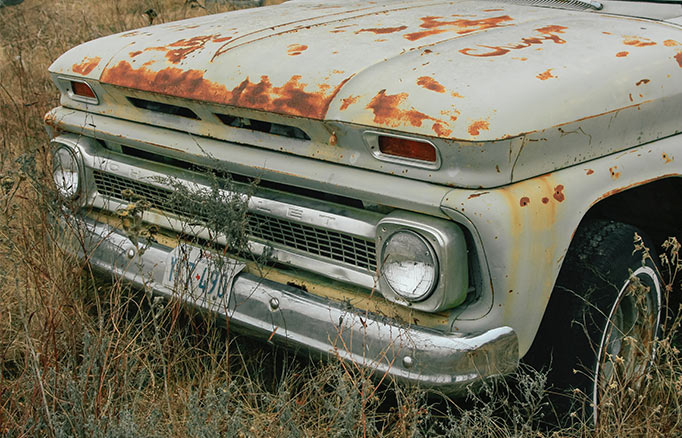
point(549, 34)
point(459, 26)
point(622, 54)
point(291, 98)
point(559, 193)
point(476, 195)
point(86, 66)
point(382, 30)
point(430, 84)
point(615, 174)
point(636, 184)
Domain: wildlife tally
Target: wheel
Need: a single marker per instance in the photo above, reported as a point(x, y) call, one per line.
point(603, 317)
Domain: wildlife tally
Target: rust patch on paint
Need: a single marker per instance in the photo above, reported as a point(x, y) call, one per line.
point(179, 50)
point(382, 30)
point(622, 54)
point(678, 58)
point(559, 193)
point(671, 43)
point(524, 201)
point(387, 111)
point(492, 10)
point(549, 33)
point(348, 101)
point(476, 195)
point(135, 53)
point(296, 49)
point(615, 174)
point(638, 42)
point(478, 126)
point(631, 99)
point(86, 66)
point(666, 158)
point(292, 98)
point(435, 26)
point(430, 84)
point(643, 81)
point(441, 131)
point(589, 172)
point(547, 74)
point(545, 200)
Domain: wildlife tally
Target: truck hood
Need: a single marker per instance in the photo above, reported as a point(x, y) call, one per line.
point(469, 70)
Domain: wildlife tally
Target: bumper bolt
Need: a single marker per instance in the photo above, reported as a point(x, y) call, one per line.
point(274, 304)
point(131, 253)
point(408, 362)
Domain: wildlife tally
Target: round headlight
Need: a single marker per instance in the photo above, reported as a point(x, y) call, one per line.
point(409, 265)
point(65, 172)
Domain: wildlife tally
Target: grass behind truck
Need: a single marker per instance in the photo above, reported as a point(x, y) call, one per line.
point(80, 357)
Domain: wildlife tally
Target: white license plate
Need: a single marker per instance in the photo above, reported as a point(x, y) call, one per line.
point(200, 276)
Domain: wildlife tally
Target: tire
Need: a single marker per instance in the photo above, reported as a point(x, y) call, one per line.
point(9, 2)
point(600, 326)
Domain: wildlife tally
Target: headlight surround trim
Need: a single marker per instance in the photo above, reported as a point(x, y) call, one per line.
point(448, 242)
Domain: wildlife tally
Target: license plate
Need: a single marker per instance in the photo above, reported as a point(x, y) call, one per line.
point(199, 276)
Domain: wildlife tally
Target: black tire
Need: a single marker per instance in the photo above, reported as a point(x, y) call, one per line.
point(599, 324)
point(9, 2)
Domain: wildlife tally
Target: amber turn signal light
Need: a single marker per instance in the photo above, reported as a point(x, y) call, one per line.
point(82, 89)
point(405, 148)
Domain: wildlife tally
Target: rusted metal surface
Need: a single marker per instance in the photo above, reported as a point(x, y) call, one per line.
point(526, 228)
point(498, 89)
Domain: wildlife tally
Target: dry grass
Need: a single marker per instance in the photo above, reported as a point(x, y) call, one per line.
point(80, 357)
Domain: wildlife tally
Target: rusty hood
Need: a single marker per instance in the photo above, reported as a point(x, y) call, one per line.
point(465, 70)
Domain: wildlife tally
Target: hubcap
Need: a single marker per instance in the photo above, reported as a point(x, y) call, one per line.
point(627, 346)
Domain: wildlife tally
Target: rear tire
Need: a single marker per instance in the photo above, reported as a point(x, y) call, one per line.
point(601, 325)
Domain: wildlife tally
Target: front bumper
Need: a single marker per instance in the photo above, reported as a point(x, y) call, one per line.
point(285, 314)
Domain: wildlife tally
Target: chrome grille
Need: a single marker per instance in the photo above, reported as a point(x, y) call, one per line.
point(317, 241)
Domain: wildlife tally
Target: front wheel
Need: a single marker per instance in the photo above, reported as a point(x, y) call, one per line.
point(604, 316)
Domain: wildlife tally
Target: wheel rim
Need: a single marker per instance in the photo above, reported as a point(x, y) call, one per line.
point(627, 344)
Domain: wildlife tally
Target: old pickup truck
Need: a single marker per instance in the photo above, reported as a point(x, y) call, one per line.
point(434, 190)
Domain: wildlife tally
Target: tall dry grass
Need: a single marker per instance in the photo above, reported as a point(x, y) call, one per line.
point(80, 356)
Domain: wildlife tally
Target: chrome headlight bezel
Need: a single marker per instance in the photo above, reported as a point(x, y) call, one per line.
point(75, 165)
point(447, 242)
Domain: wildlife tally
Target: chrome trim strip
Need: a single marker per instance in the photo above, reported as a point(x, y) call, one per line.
point(446, 362)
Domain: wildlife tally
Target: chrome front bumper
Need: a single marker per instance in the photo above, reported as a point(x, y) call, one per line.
point(284, 314)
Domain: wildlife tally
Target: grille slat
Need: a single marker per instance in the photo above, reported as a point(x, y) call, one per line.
point(312, 240)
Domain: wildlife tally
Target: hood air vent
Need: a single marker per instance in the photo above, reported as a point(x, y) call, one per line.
point(163, 108)
point(261, 126)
